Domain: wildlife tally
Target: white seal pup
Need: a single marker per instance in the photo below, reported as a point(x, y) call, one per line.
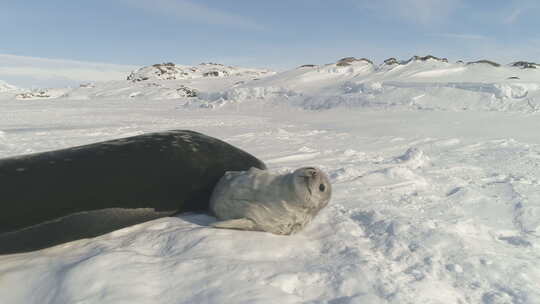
point(264, 201)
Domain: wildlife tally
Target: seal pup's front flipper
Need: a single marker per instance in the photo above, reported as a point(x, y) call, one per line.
point(240, 224)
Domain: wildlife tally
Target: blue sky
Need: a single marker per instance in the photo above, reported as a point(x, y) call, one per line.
point(278, 34)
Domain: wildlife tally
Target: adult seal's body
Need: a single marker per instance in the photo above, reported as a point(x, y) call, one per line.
point(55, 197)
point(263, 201)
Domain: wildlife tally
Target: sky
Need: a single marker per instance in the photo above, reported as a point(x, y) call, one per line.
point(57, 42)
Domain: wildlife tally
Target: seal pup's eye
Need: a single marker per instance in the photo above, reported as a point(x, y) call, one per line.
point(322, 187)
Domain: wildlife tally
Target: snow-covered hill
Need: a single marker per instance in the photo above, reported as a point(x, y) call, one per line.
point(158, 82)
point(421, 82)
point(171, 71)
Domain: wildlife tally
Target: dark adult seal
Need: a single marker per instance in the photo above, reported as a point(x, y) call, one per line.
point(59, 196)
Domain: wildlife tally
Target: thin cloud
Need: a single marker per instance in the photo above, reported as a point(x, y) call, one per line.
point(423, 12)
point(520, 9)
point(27, 71)
point(513, 16)
point(187, 10)
point(461, 36)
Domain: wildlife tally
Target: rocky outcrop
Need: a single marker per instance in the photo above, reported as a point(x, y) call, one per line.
point(391, 61)
point(186, 92)
point(349, 60)
point(33, 95)
point(88, 85)
point(394, 61)
point(525, 65)
point(216, 73)
point(426, 58)
point(171, 71)
point(495, 64)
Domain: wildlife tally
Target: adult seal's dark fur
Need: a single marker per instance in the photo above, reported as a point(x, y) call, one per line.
point(54, 197)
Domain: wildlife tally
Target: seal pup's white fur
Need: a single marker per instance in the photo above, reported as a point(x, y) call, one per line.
point(264, 201)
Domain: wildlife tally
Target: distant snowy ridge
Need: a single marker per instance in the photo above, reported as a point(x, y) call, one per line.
point(420, 82)
point(171, 71)
point(525, 65)
point(157, 82)
point(5, 87)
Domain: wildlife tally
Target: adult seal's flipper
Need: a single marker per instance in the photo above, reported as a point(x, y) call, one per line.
point(74, 227)
point(53, 197)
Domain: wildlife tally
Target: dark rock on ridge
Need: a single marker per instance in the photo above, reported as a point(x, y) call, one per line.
point(426, 58)
point(186, 92)
point(391, 61)
point(525, 65)
point(348, 60)
point(495, 64)
point(34, 94)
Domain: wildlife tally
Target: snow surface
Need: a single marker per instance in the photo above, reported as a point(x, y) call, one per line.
point(436, 189)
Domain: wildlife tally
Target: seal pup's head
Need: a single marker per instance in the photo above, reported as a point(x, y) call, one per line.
point(277, 203)
point(312, 188)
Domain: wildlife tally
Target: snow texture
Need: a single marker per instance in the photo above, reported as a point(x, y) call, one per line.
point(435, 173)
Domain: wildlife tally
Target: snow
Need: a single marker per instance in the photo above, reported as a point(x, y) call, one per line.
point(416, 84)
point(5, 87)
point(171, 71)
point(435, 189)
